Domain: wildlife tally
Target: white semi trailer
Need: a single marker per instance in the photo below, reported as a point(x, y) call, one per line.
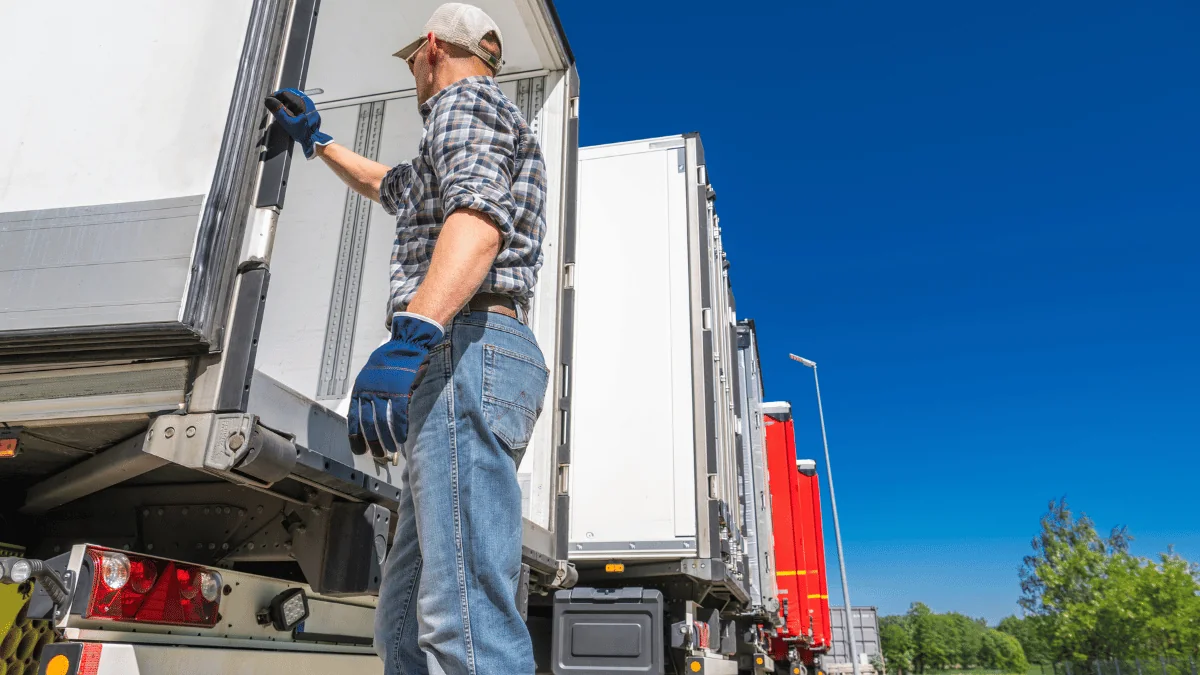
point(178, 341)
point(177, 345)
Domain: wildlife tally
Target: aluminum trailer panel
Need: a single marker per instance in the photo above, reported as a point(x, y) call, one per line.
point(756, 489)
point(654, 459)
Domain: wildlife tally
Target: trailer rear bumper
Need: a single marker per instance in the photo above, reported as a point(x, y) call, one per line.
point(98, 658)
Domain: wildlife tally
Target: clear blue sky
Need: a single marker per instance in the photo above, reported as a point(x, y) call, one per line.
point(983, 221)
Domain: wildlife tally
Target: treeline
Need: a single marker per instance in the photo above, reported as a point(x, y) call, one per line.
point(921, 641)
point(1085, 599)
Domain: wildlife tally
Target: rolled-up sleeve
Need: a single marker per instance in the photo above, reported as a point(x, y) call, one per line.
point(391, 188)
point(473, 147)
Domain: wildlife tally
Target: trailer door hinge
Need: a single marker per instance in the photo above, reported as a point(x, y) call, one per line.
point(564, 478)
point(569, 276)
point(712, 486)
point(706, 318)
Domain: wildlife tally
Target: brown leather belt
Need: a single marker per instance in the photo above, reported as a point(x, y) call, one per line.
point(492, 302)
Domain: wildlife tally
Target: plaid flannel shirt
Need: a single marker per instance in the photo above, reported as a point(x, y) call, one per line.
point(476, 152)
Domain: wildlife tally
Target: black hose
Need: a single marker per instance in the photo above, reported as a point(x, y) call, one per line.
point(51, 582)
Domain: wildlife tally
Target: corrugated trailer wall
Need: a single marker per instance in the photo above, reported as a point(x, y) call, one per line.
point(866, 634)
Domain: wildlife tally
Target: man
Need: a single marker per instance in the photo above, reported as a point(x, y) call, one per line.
point(470, 214)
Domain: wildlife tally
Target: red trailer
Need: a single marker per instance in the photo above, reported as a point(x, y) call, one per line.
point(799, 544)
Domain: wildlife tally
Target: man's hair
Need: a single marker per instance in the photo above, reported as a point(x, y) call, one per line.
point(490, 44)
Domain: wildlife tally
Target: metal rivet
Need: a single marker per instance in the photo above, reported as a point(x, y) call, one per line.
point(250, 546)
point(191, 431)
point(170, 432)
point(185, 511)
point(212, 547)
point(160, 512)
point(225, 547)
point(149, 547)
point(236, 440)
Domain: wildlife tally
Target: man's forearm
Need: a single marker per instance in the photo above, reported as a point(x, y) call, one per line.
point(465, 250)
point(361, 174)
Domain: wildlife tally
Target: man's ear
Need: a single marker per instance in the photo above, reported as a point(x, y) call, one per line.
point(433, 53)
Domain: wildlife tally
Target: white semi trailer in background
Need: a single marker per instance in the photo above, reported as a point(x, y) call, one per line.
point(177, 346)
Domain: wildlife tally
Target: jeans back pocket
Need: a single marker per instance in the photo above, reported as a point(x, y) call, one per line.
point(514, 388)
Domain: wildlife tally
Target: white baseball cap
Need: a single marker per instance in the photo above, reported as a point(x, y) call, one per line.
point(462, 25)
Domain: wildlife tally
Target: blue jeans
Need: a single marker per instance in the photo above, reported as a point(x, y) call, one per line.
point(447, 603)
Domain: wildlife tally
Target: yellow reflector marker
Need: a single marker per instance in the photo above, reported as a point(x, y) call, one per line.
point(8, 448)
point(696, 666)
point(614, 567)
point(796, 671)
point(760, 661)
point(790, 573)
point(59, 665)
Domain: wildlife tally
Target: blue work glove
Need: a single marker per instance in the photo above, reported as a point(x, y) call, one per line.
point(378, 418)
point(298, 116)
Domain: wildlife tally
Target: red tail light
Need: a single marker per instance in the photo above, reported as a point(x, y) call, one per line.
point(128, 587)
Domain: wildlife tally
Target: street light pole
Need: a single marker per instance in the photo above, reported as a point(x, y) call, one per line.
point(837, 528)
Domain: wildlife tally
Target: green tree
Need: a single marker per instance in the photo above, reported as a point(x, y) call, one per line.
point(1093, 599)
point(967, 639)
point(934, 640)
point(897, 644)
point(1031, 632)
point(1002, 651)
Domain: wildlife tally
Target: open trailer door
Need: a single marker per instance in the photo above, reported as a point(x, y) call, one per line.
point(125, 170)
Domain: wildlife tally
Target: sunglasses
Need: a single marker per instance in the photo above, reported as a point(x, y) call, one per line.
point(412, 58)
